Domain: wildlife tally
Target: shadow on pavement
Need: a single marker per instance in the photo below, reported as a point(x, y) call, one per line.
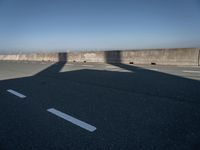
point(55, 68)
point(141, 109)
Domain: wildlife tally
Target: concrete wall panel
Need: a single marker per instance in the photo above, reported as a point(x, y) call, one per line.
point(158, 56)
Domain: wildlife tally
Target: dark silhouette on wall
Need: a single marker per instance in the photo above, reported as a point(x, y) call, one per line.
point(55, 68)
point(112, 56)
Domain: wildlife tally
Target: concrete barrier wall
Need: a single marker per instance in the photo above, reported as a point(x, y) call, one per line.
point(156, 56)
point(163, 56)
point(31, 57)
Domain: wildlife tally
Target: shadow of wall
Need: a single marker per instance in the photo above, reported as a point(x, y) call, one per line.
point(155, 104)
point(56, 67)
point(62, 57)
point(112, 56)
point(115, 58)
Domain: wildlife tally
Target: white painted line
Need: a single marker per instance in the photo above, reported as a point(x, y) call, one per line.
point(190, 71)
point(125, 71)
point(16, 93)
point(116, 69)
point(119, 70)
point(72, 120)
point(87, 65)
point(68, 64)
point(43, 63)
point(112, 67)
point(153, 69)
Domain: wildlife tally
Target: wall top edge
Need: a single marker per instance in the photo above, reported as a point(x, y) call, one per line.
point(128, 50)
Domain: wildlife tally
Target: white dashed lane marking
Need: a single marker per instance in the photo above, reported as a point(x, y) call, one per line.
point(16, 93)
point(87, 65)
point(112, 67)
point(73, 120)
point(190, 71)
point(68, 64)
point(153, 69)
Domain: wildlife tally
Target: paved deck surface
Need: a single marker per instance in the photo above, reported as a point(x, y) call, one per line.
point(98, 106)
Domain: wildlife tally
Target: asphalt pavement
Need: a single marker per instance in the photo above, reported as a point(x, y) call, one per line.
point(46, 105)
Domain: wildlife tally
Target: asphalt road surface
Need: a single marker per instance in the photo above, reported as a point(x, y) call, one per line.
point(96, 106)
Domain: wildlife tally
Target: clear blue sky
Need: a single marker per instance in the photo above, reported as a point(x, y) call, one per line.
point(99, 24)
